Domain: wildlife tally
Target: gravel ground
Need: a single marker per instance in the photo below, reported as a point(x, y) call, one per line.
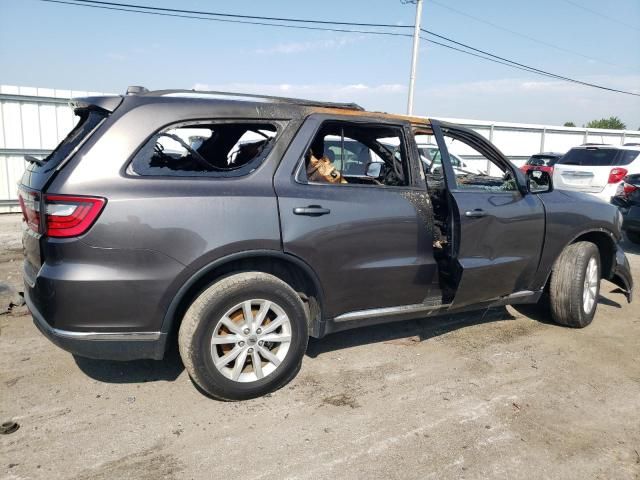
point(499, 395)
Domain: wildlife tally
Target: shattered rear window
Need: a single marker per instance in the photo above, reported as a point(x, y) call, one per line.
point(213, 150)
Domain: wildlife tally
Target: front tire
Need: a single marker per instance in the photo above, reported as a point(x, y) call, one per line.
point(575, 285)
point(244, 336)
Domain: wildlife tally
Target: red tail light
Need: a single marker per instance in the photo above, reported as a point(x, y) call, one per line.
point(30, 205)
point(628, 189)
point(64, 215)
point(70, 216)
point(617, 174)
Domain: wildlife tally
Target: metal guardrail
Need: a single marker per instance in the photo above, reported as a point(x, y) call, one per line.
point(6, 97)
point(19, 152)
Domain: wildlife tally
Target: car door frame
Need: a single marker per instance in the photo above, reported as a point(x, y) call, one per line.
point(288, 176)
point(464, 296)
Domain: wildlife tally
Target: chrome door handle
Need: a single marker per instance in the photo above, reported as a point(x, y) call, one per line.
point(477, 213)
point(311, 211)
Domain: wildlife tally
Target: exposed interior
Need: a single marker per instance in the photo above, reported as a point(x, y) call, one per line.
point(351, 153)
point(215, 149)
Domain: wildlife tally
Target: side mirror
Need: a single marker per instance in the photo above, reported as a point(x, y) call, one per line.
point(374, 169)
point(539, 181)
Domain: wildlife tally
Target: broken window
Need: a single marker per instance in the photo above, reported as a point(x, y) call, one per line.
point(347, 153)
point(206, 149)
point(473, 167)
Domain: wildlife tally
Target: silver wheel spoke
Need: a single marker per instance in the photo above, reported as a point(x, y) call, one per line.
point(262, 313)
point(239, 366)
point(257, 364)
point(590, 289)
point(248, 315)
point(275, 324)
point(269, 356)
point(227, 322)
point(225, 339)
point(276, 337)
point(223, 361)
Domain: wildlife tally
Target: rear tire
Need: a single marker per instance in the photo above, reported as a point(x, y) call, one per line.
point(634, 237)
point(244, 336)
point(575, 285)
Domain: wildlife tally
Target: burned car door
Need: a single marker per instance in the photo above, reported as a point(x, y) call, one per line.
point(496, 226)
point(358, 220)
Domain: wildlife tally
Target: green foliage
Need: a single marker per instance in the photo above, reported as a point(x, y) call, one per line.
point(569, 124)
point(613, 123)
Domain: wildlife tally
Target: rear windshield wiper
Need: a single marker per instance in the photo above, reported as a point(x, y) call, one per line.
point(32, 159)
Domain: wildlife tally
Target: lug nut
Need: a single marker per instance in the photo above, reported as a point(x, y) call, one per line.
point(241, 343)
point(251, 350)
point(260, 343)
point(259, 331)
point(246, 331)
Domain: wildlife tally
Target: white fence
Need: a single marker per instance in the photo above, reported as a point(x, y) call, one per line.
point(34, 120)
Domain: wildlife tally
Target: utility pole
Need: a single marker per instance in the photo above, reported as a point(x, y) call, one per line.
point(414, 59)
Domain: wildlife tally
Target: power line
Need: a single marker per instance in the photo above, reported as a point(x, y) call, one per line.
point(225, 20)
point(534, 69)
point(519, 34)
point(250, 17)
point(594, 12)
point(486, 55)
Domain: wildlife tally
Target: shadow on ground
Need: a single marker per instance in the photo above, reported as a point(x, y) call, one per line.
point(136, 371)
point(421, 330)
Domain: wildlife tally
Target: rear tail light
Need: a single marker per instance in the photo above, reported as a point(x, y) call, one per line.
point(70, 216)
point(30, 205)
point(628, 189)
point(617, 174)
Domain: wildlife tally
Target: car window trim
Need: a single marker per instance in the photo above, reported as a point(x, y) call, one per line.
point(300, 178)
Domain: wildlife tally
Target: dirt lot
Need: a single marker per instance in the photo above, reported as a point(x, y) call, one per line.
point(499, 395)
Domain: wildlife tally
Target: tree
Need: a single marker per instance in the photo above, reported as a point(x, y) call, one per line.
point(613, 123)
point(569, 124)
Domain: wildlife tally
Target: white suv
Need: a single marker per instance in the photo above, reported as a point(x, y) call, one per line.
point(596, 169)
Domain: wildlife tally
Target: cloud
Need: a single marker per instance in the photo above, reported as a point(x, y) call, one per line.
point(300, 47)
point(334, 92)
point(116, 56)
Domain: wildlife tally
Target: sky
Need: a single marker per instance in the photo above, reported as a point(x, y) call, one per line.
point(71, 47)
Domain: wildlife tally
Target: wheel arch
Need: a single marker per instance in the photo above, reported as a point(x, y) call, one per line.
point(603, 239)
point(290, 269)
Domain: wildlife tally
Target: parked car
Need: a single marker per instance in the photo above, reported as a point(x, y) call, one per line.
point(432, 160)
point(627, 199)
point(597, 169)
point(542, 161)
point(138, 234)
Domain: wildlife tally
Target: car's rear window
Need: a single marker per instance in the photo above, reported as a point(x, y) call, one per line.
point(215, 149)
point(88, 121)
point(542, 160)
point(597, 157)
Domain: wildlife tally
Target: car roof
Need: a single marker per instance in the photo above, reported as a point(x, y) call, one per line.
point(243, 104)
point(591, 146)
point(548, 154)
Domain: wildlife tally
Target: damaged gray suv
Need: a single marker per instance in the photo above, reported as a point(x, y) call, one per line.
point(238, 226)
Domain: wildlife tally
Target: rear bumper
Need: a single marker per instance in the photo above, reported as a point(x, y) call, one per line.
point(101, 345)
point(631, 219)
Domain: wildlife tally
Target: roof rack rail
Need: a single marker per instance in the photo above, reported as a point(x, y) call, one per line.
point(296, 101)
